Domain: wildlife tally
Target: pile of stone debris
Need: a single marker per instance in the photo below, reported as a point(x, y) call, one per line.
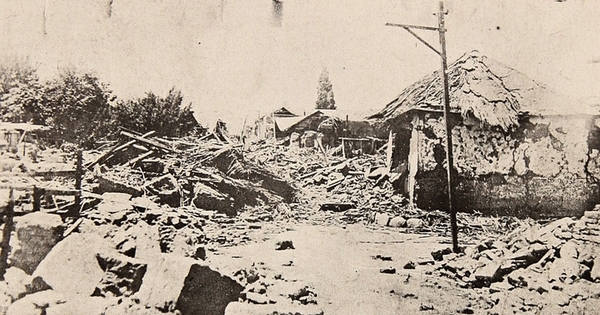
point(132, 256)
point(551, 269)
point(356, 187)
point(205, 172)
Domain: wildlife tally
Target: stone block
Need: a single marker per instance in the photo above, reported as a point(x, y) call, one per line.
point(438, 255)
point(397, 222)
point(19, 283)
point(595, 215)
point(595, 272)
point(565, 269)
point(569, 250)
point(36, 234)
point(488, 273)
point(382, 219)
point(237, 308)
point(177, 283)
point(122, 274)
point(414, 223)
point(79, 304)
point(36, 303)
point(71, 267)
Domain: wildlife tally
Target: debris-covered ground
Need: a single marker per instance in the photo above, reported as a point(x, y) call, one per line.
point(200, 226)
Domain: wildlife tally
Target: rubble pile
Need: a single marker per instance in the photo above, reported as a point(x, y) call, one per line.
point(205, 173)
point(137, 264)
point(358, 187)
point(552, 268)
point(264, 286)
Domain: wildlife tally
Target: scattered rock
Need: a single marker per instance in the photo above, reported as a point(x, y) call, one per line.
point(36, 303)
point(256, 298)
point(595, 272)
point(414, 223)
point(380, 257)
point(304, 294)
point(382, 219)
point(438, 255)
point(283, 245)
point(569, 250)
point(488, 274)
point(79, 304)
point(397, 222)
point(122, 274)
point(426, 307)
point(409, 265)
point(19, 283)
point(390, 270)
point(200, 253)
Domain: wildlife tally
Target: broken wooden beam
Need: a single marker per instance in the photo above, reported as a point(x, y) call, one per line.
point(138, 158)
point(153, 143)
point(118, 147)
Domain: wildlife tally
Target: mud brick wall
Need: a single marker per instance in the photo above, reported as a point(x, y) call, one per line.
point(546, 167)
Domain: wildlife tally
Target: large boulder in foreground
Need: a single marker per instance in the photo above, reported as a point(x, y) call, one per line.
point(71, 267)
point(36, 303)
point(177, 283)
point(36, 234)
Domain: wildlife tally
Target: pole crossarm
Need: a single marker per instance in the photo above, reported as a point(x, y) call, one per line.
point(408, 29)
point(429, 28)
point(423, 41)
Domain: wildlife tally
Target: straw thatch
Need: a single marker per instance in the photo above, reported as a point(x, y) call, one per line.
point(482, 88)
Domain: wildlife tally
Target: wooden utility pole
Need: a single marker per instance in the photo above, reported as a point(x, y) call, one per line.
point(441, 29)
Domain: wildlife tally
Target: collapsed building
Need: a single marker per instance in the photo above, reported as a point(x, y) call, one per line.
point(516, 143)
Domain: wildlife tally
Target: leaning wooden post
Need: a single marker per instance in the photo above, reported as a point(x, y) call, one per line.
point(8, 227)
point(78, 178)
point(37, 199)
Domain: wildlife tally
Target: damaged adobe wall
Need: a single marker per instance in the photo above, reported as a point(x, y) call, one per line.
point(546, 167)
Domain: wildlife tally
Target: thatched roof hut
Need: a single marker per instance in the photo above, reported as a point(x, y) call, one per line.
point(516, 143)
point(484, 89)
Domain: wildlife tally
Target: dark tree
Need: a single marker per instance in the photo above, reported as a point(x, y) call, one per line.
point(166, 116)
point(20, 91)
point(325, 98)
point(76, 107)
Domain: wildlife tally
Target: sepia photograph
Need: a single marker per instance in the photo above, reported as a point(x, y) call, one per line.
point(299, 157)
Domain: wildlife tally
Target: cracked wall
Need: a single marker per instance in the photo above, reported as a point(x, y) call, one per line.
point(546, 167)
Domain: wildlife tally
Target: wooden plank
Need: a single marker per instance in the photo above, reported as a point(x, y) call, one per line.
point(148, 142)
point(138, 158)
point(355, 139)
point(389, 151)
point(118, 147)
point(140, 147)
point(65, 173)
point(72, 227)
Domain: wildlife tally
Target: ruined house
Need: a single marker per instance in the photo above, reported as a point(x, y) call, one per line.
point(519, 148)
point(267, 126)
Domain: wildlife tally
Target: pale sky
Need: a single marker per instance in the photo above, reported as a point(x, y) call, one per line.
point(231, 62)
